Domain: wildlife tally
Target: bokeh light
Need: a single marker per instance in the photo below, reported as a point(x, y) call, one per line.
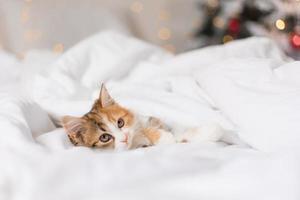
point(164, 15)
point(164, 33)
point(219, 22)
point(58, 48)
point(32, 35)
point(169, 47)
point(137, 7)
point(280, 24)
point(227, 38)
point(296, 40)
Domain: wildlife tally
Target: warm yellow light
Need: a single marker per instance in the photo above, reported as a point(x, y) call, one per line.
point(136, 7)
point(227, 38)
point(24, 15)
point(213, 3)
point(218, 22)
point(32, 35)
point(164, 33)
point(280, 24)
point(169, 47)
point(164, 15)
point(58, 48)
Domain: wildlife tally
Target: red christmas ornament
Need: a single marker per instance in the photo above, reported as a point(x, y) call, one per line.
point(295, 40)
point(234, 26)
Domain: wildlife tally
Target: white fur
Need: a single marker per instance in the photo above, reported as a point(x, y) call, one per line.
point(206, 133)
point(118, 134)
point(165, 138)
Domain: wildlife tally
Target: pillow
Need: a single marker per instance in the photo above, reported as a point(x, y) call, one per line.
point(264, 107)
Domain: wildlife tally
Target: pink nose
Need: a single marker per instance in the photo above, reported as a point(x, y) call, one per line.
point(126, 138)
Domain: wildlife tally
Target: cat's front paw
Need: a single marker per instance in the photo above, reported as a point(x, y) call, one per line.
point(166, 137)
point(206, 133)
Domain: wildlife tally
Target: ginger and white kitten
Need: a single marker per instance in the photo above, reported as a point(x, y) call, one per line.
point(110, 126)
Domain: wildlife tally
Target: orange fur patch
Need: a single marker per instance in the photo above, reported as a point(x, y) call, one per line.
point(113, 112)
point(152, 134)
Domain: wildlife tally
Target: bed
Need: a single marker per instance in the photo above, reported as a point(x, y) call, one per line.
point(249, 87)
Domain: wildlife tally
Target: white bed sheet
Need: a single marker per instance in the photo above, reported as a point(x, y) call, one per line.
point(38, 161)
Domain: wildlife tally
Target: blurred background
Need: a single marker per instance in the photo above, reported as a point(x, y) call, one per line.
point(176, 25)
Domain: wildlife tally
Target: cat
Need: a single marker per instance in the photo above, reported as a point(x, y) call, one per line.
point(109, 125)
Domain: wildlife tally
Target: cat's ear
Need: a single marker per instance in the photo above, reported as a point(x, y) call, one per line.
point(74, 128)
point(104, 98)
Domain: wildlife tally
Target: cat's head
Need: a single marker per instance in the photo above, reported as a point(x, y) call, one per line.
point(108, 126)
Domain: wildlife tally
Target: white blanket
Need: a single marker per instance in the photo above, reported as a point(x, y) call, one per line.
point(203, 86)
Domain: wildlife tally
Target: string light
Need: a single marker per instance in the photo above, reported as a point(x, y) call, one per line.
point(58, 48)
point(213, 3)
point(164, 15)
point(32, 35)
point(227, 38)
point(280, 24)
point(24, 15)
point(296, 40)
point(164, 33)
point(218, 22)
point(137, 7)
point(169, 47)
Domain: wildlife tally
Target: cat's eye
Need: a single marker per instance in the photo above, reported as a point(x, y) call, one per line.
point(105, 137)
point(120, 123)
point(95, 123)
